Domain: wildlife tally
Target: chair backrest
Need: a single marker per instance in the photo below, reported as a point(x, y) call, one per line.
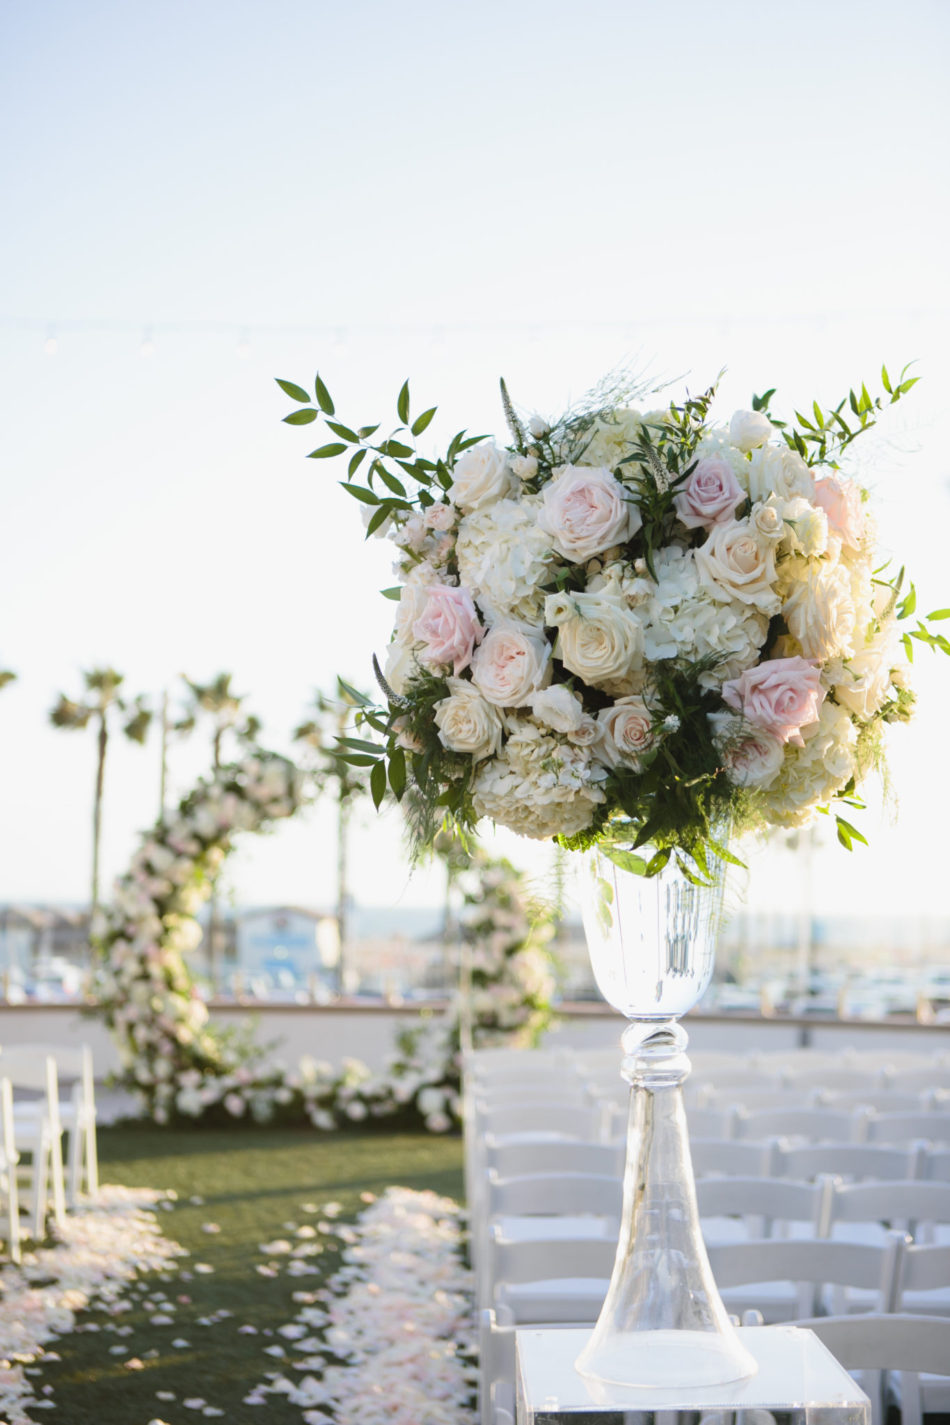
point(552, 1259)
point(924, 1080)
point(509, 1095)
point(875, 1341)
point(753, 1098)
point(889, 1341)
point(849, 1160)
point(711, 1122)
point(903, 1127)
point(816, 1262)
point(773, 1200)
point(936, 1167)
point(903, 1204)
point(813, 1124)
point(561, 1121)
point(544, 1195)
point(516, 1160)
point(923, 1267)
point(728, 1156)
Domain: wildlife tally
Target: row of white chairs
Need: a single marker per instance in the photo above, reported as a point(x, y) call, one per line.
point(36, 1182)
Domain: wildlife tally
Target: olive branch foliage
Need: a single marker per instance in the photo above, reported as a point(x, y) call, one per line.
point(680, 804)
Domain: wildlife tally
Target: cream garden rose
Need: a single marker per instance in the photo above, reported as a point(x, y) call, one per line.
point(467, 722)
point(750, 429)
point(481, 475)
point(598, 639)
point(737, 563)
point(820, 612)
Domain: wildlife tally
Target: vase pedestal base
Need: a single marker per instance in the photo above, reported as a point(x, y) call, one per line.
point(659, 1359)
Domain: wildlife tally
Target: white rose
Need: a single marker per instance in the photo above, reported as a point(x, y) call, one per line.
point(412, 600)
point(401, 665)
point(525, 467)
point(510, 665)
point(559, 708)
point(628, 733)
point(765, 518)
point(864, 683)
point(819, 612)
point(777, 470)
point(749, 429)
point(602, 642)
point(585, 511)
point(737, 563)
point(807, 527)
point(751, 756)
point(466, 722)
point(481, 475)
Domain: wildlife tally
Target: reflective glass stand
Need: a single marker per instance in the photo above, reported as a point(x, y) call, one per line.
point(798, 1382)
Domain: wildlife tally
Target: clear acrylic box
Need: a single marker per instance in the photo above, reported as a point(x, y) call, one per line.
point(798, 1382)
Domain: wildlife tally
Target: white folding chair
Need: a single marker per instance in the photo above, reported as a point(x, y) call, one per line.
point(9, 1188)
point(905, 1346)
point(785, 1279)
point(77, 1113)
point(38, 1132)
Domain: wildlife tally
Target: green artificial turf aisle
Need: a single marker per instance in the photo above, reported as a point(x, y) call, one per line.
point(257, 1186)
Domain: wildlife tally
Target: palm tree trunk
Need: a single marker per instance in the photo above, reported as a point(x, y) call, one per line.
point(213, 959)
point(103, 740)
point(343, 813)
point(163, 775)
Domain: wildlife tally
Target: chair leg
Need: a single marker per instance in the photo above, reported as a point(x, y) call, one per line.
point(74, 1165)
point(58, 1178)
point(38, 1216)
point(91, 1156)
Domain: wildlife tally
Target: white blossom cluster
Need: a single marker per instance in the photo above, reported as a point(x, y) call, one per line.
point(390, 1341)
point(527, 595)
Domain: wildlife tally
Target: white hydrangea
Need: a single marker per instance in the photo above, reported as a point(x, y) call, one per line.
point(504, 557)
point(679, 620)
point(540, 785)
point(810, 774)
point(610, 438)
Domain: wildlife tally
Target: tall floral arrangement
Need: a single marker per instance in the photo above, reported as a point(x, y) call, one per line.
point(628, 626)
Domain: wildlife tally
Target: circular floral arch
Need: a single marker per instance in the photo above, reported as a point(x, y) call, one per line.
point(182, 1065)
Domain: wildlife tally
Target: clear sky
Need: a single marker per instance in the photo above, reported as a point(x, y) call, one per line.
point(445, 192)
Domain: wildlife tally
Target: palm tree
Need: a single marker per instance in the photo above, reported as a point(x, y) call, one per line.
point(100, 704)
point(218, 701)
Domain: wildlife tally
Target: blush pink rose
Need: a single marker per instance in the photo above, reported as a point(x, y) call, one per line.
point(782, 696)
point(840, 498)
point(585, 511)
point(448, 627)
point(711, 495)
point(511, 666)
